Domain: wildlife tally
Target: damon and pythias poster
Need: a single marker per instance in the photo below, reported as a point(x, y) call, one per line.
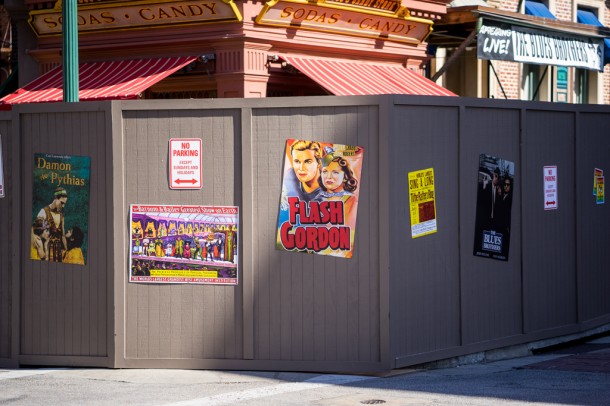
point(319, 200)
point(184, 244)
point(60, 208)
point(494, 204)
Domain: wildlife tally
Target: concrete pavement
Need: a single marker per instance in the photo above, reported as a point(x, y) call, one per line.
point(575, 375)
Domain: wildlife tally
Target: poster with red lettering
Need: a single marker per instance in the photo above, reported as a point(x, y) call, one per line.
point(319, 200)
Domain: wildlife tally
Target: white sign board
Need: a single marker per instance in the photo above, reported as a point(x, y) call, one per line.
point(550, 188)
point(1, 170)
point(185, 163)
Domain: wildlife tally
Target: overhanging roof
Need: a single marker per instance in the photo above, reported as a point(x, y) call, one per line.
point(459, 22)
point(346, 77)
point(118, 80)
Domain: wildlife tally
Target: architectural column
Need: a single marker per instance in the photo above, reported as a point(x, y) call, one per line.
point(241, 69)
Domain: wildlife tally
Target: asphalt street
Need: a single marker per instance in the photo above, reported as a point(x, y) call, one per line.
point(575, 375)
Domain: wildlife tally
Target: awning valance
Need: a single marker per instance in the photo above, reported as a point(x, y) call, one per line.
point(109, 80)
point(347, 78)
point(587, 17)
point(538, 9)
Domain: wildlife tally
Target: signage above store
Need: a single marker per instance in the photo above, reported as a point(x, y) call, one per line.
point(387, 5)
point(344, 18)
point(149, 14)
point(509, 42)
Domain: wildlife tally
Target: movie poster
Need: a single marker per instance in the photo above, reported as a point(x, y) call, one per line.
point(60, 208)
point(596, 174)
point(422, 202)
point(598, 186)
point(494, 203)
point(183, 244)
point(319, 199)
point(600, 199)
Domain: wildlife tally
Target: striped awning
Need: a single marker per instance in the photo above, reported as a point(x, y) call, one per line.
point(347, 78)
point(110, 80)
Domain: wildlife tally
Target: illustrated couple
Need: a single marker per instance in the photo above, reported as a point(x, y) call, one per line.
point(318, 174)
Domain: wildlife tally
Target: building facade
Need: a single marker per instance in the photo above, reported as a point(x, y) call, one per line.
point(239, 48)
point(468, 74)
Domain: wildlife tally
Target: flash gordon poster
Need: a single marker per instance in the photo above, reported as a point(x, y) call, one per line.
point(494, 203)
point(319, 200)
point(60, 208)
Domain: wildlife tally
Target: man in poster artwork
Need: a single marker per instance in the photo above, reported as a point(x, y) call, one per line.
point(504, 212)
point(304, 180)
point(488, 197)
point(54, 216)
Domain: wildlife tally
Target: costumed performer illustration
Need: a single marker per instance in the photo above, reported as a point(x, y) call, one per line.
point(40, 240)
point(53, 214)
point(74, 253)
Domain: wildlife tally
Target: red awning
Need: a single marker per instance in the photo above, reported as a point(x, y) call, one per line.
point(346, 78)
point(117, 80)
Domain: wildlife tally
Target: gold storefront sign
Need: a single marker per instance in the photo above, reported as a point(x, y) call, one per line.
point(328, 17)
point(141, 14)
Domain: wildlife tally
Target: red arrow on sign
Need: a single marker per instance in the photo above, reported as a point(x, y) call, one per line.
point(549, 203)
point(179, 181)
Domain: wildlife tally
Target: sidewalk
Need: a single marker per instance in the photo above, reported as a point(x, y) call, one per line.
point(577, 374)
point(592, 356)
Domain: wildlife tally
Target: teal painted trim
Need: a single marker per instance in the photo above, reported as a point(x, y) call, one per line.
point(70, 51)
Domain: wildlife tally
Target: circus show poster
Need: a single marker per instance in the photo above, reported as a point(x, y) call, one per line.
point(184, 244)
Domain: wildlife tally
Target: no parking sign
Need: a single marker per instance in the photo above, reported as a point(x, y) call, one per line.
point(185, 163)
point(550, 188)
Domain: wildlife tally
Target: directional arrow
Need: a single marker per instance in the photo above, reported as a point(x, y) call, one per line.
point(179, 181)
point(550, 203)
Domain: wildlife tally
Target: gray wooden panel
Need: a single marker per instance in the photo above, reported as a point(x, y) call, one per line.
point(490, 289)
point(549, 239)
point(6, 242)
point(592, 151)
point(424, 281)
point(65, 307)
point(181, 321)
point(314, 307)
point(313, 312)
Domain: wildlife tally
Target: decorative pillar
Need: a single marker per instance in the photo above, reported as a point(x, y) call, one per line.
point(241, 69)
point(70, 50)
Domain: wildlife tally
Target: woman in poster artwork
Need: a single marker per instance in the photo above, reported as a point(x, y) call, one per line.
point(338, 182)
point(74, 253)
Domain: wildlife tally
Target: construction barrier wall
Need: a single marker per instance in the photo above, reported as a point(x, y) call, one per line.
point(398, 301)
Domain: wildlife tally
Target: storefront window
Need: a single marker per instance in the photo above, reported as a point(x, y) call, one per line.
point(581, 87)
point(531, 79)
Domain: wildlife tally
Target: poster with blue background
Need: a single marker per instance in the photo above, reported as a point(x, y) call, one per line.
point(60, 208)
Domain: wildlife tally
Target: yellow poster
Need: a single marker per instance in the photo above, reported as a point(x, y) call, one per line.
point(422, 202)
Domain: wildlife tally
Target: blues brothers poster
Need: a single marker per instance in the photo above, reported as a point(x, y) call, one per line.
point(494, 203)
